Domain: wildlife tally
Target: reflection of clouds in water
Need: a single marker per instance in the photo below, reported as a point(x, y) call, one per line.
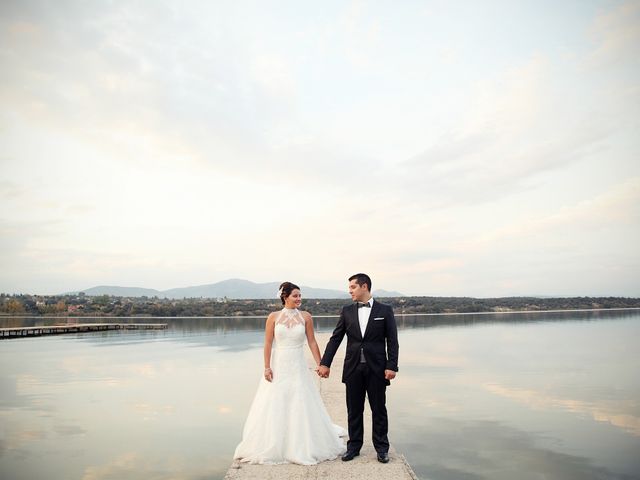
point(415, 397)
point(87, 370)
point(29, 392)
point(211, 382)
point(109, 382)
point(144, 369)
point(68, 430)
point(18, 438)
point(119, 467)
point(76, 364)
point(102, 373)
point(416, 359)
point(443, 405)
point(10, 397)
point(152, 412)
point(132, 465)
point(27, 383)
point(474, 450)
point(538, 400)
point(37, 388)
point(416, 351)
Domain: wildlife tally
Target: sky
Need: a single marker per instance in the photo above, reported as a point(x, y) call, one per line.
point(445, 148)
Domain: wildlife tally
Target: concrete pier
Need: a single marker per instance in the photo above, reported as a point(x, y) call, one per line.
point(366, 466)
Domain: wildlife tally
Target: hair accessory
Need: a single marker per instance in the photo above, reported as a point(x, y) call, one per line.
point(279, 293)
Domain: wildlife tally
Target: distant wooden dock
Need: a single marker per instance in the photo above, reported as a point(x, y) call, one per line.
point(21, 332)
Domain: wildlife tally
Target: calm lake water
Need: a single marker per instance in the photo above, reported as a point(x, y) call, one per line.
point(522, 396)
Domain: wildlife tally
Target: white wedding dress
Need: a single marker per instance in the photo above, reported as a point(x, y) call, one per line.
point(287, 421)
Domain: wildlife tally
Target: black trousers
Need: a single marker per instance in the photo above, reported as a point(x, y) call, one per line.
point(362, 382)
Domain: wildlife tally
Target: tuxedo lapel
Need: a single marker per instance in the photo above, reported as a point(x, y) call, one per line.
point(355, 321)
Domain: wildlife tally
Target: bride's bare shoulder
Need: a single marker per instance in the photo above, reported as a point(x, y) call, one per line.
point(305, 314)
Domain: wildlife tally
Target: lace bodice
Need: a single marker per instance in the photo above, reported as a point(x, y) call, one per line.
point(290, 317)
point(289, 328)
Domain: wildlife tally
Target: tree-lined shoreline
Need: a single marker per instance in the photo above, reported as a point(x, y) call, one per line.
point(116, 306)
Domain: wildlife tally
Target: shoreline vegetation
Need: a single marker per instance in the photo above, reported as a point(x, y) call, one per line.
point(115, 306)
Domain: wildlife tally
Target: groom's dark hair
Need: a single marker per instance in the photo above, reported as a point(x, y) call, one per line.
point(362, 279)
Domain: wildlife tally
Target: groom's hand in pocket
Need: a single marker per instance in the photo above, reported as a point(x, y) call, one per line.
point(324, 371)
point(389, 374)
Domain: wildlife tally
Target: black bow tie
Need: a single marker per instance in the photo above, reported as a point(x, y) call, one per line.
point(366, 305)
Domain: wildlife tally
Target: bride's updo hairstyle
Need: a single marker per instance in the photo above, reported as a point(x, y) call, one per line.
point(285, 290)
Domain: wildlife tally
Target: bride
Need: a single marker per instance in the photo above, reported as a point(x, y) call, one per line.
point(287, 421)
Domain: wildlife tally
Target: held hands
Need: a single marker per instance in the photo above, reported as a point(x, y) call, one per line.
point(268, 374)
point(324, 372)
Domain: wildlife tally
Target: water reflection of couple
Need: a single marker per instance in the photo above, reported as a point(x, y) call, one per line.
point(287, 421)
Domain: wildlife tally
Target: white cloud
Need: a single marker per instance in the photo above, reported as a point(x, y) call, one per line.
point(617, 33)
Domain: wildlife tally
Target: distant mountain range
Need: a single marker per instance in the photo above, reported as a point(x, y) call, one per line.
point(233, 288)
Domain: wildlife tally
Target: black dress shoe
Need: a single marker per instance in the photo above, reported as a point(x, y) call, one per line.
point(349, 456)
point(383, 457)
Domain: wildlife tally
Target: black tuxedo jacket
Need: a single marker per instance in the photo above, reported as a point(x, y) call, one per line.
point(380, 341)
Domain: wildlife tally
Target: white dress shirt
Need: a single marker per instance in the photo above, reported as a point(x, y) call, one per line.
point(363, 316)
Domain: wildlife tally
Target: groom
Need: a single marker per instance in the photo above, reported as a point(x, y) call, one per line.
point(371, 361)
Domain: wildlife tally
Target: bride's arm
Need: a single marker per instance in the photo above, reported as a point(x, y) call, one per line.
point(311, 338)
point(268, 342)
